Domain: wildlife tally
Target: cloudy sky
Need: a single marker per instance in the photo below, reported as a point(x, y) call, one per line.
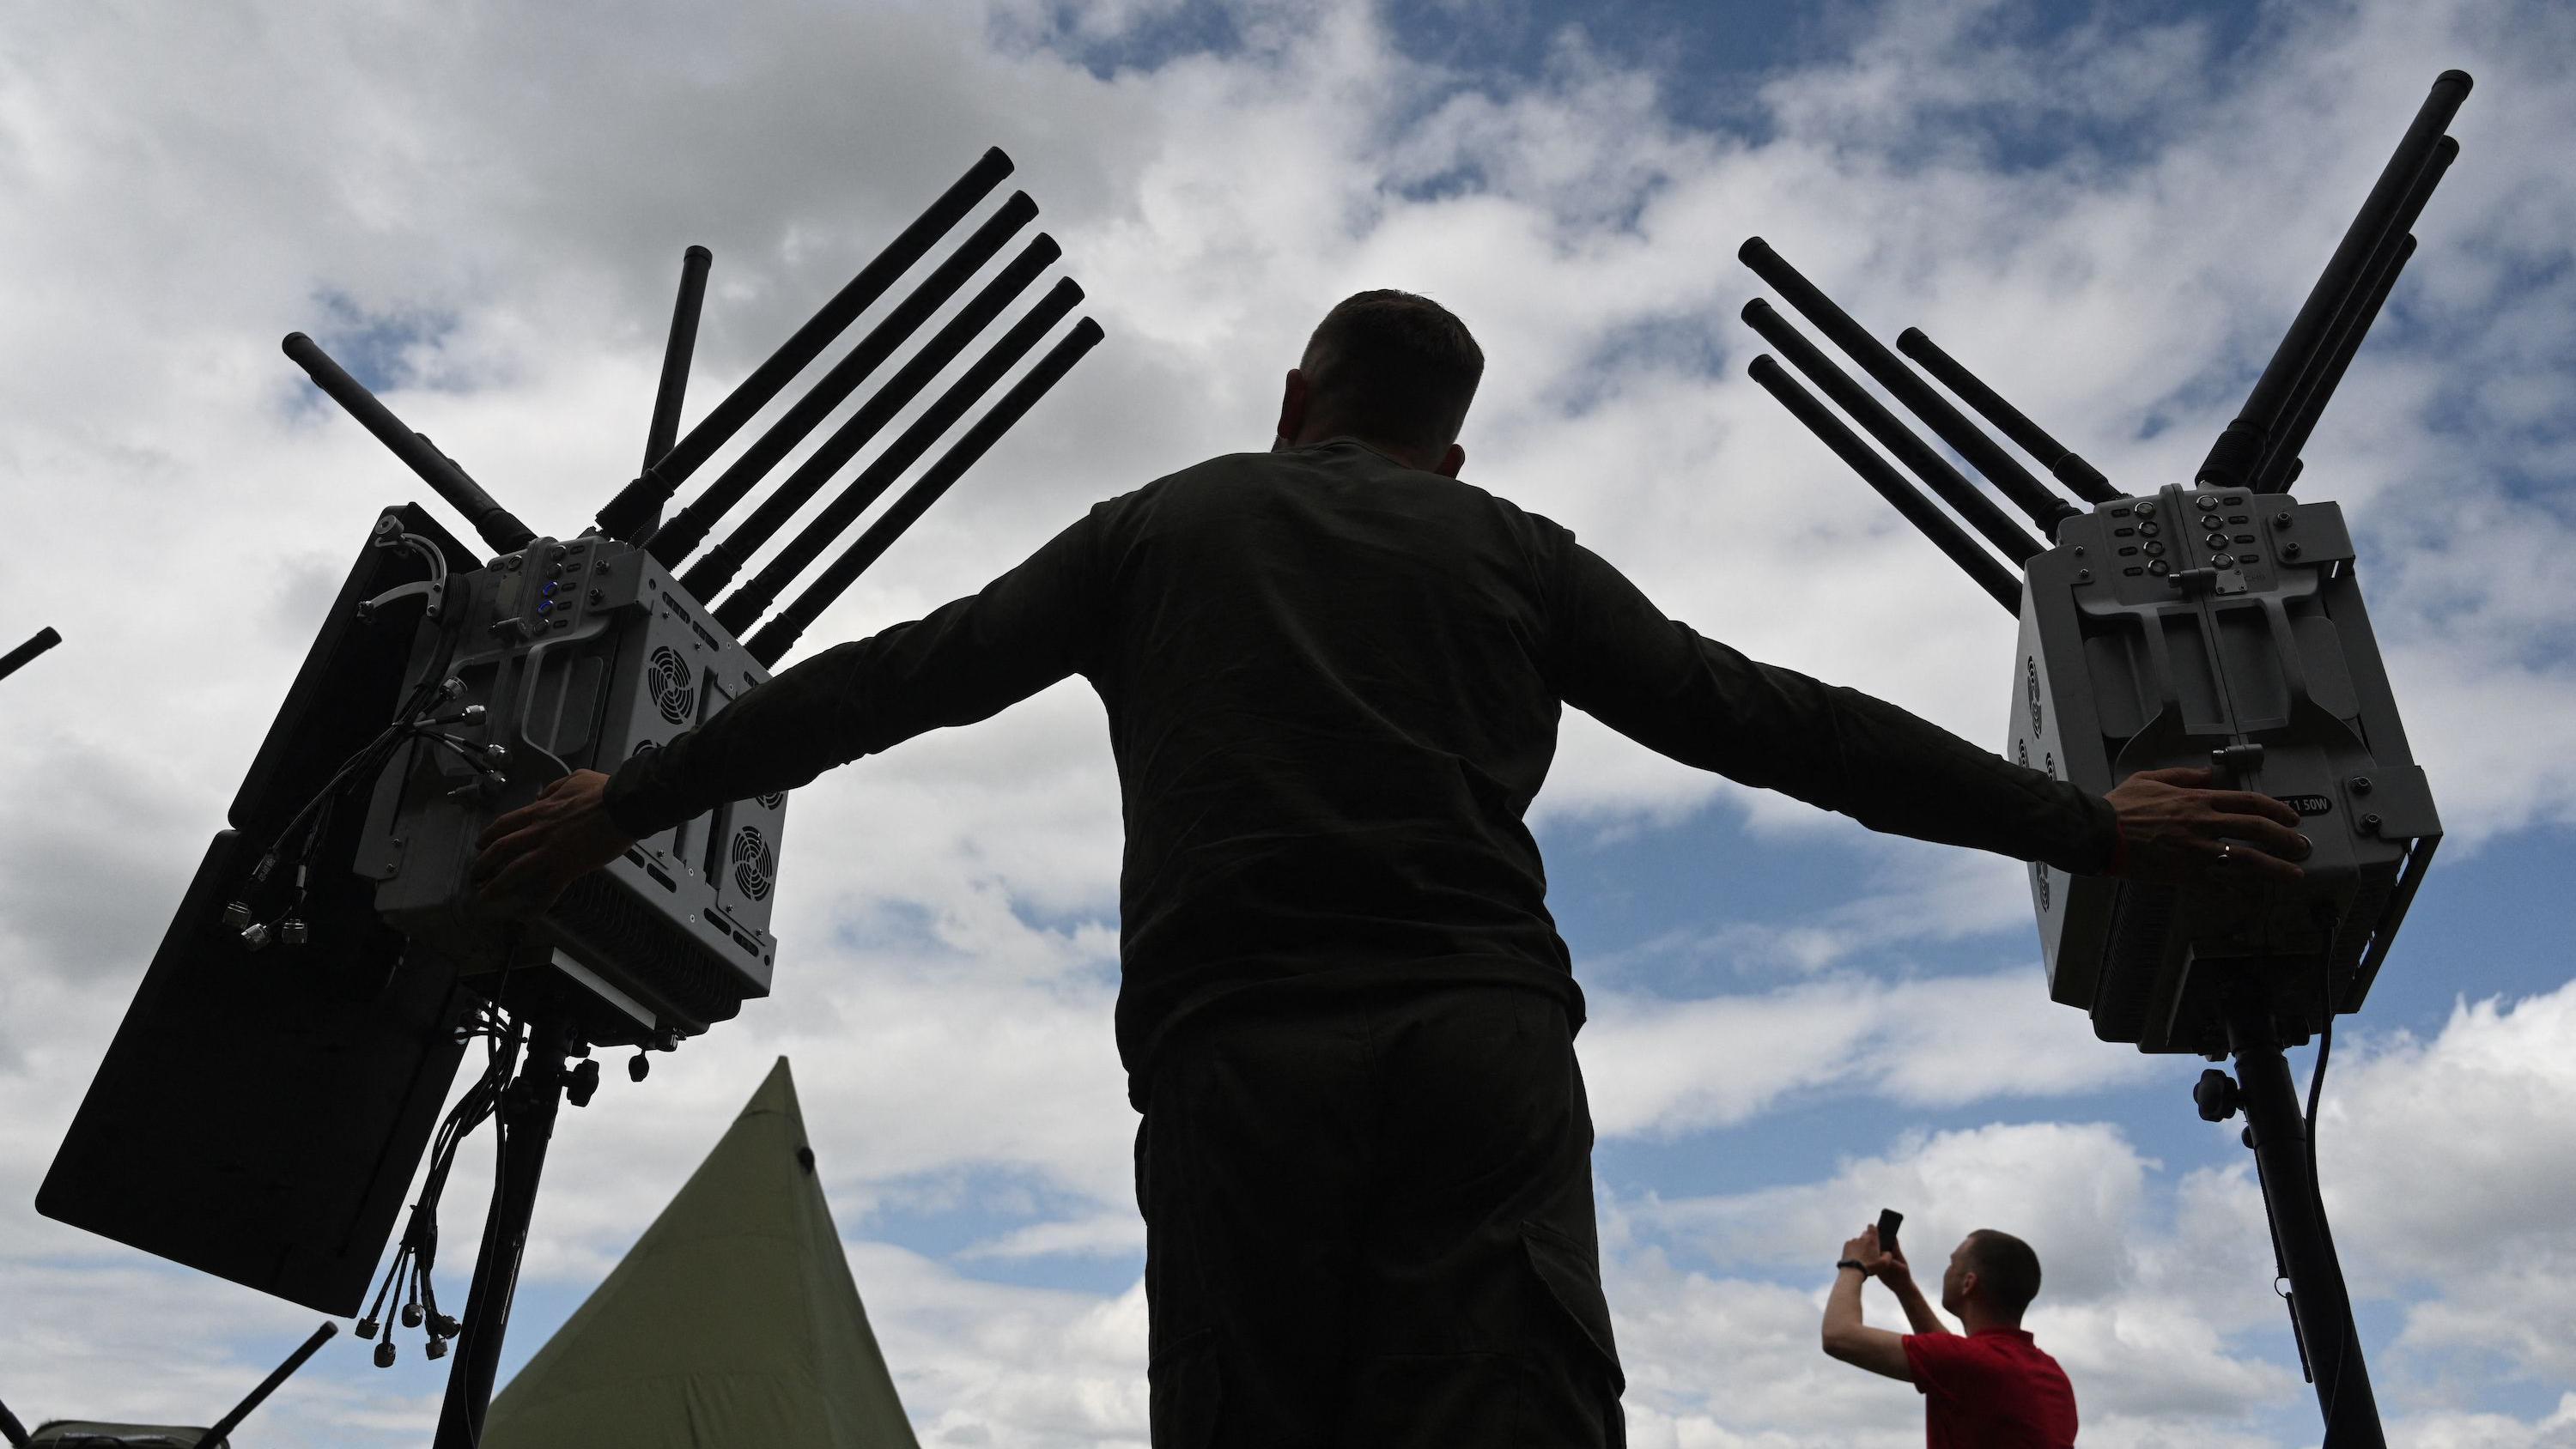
point(2110, 211)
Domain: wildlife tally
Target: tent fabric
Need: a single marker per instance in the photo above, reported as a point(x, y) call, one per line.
point(732, 1322)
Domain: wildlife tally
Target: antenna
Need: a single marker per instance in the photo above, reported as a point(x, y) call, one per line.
point(498, 526)
point(676, 352)
point(2080, 477)
point(744, 608)
point(2319, 381)
point(675, 540)
point(44, 639)
point(2242, 447)
point(267, 1386)
point(1928, 465)
point(2028, 493)
point(792, 622)
point(628, 515)
point(1980, 565)
point(721, 562)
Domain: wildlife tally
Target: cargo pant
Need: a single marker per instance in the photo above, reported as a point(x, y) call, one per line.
point(1371, 1225)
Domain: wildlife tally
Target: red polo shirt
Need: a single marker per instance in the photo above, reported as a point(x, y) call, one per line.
point(1993, 1389)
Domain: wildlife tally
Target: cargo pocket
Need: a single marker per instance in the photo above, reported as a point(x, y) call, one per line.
point(1573, 1282)
point(1184, 1392)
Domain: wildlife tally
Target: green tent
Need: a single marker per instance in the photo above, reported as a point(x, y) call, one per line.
point(732, 1321)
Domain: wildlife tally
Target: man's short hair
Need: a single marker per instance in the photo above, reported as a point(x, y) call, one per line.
point(2006, 1268)
point(1393, 367)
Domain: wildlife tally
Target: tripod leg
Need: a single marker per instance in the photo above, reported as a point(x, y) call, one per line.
point(2318, 1303)
point(528, 1115)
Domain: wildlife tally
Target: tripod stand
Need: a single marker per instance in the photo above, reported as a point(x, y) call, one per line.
point(2302, 1249)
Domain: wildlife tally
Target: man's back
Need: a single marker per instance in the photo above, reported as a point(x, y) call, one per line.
point(1992, 1389)
point(1331, 700)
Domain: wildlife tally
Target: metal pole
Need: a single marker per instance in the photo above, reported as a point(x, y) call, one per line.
point(2318, 1301)
point(527, 1122)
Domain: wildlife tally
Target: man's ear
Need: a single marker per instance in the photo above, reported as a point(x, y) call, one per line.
point(1294, 399)
point(1452, 459)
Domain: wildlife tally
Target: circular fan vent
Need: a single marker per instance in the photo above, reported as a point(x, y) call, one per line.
point(754, 867)
point(667, 676)
point(772, 802)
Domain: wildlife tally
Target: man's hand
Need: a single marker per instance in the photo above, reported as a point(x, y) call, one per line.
point(1864, 1250)
point(532, 853)
point(2178, 831)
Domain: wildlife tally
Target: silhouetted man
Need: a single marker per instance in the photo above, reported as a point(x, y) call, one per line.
point(1333, 676)
point(1991, 1387)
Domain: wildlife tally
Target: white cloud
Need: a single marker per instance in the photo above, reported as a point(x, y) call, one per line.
point(1657, 1067)
point(190, 181)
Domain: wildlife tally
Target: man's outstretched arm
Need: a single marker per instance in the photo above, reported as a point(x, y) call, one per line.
point(1662, 684)
point(963, 662)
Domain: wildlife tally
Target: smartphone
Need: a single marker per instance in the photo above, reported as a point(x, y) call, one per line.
point(1888, 1219)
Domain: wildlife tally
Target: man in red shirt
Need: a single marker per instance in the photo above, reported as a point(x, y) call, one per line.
point(1988, 1388)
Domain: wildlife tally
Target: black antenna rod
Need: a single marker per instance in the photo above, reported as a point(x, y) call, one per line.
point(12, 1430)
point(44, 639)
point(2241, 447)
point(1899, 439)
point(2014, 481)
point(267, 1386)
point(739, 612)
point(2282, 466)
point(720, 563)
point(2062, 463)
point(792, 621)
point(1951, 539)
point(496, 524)
point(629, 513)
point(2353, 321)
point(676, 540)
point(676, 352)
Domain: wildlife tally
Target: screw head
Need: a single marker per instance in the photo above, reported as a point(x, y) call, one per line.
point(2083, 576)
point(2289, 550)
point(2281, 519)
point(2370, 824)
point(2361, 784)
